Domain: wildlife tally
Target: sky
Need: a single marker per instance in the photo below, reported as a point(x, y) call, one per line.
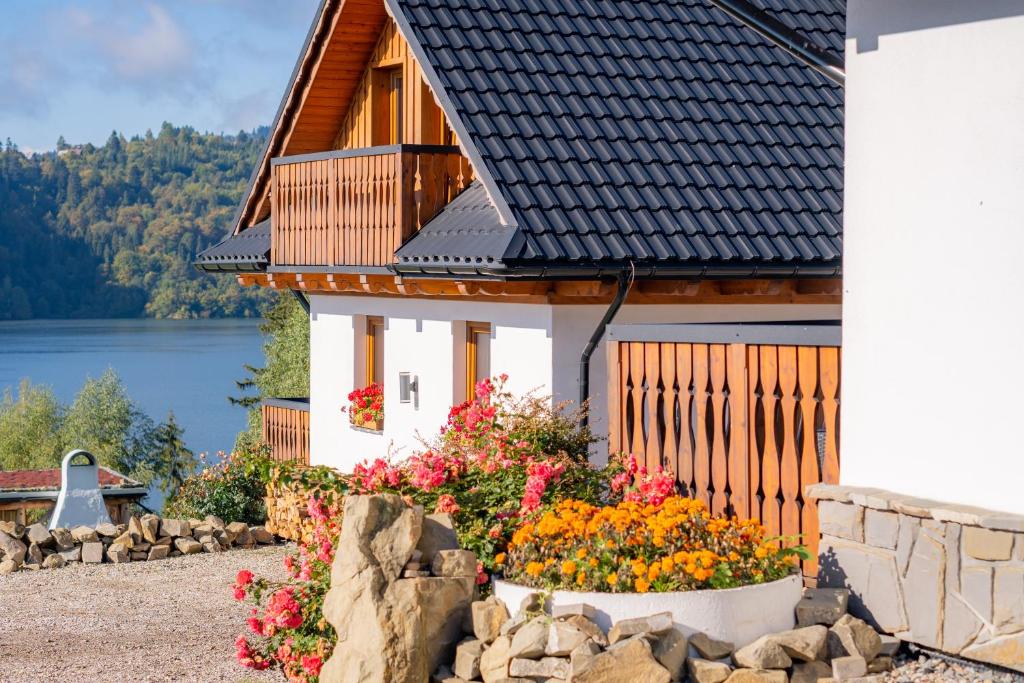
point(83, 69)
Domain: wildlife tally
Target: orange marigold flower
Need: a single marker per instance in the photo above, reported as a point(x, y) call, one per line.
point(612, 579)
point(568, 567)
point(499, 559)
point(641, 586)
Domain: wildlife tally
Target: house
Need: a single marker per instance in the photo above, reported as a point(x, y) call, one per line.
point(27, 495)
point(459, 189)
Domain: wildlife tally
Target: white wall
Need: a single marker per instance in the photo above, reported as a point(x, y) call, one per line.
point(934, 234)
point(538, 346)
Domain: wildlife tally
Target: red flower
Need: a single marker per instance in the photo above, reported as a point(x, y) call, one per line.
point(244, 578)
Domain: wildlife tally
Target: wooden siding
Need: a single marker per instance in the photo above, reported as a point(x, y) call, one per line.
point(344, 209)
point(286, 431)
point(363, 124)
point(745, 427)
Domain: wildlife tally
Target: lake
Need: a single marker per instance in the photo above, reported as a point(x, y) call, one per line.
point(188, 366)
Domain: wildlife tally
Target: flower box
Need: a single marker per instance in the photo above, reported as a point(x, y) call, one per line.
point(371, 426)
point(737, 615)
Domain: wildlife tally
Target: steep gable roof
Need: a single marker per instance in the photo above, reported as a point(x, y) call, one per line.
point(654, 131)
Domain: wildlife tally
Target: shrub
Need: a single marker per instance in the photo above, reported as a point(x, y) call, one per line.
point(233, 489)
point(639, 547)
point(287, 625)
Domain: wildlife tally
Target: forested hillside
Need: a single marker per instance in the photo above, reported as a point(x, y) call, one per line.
point(111, 231)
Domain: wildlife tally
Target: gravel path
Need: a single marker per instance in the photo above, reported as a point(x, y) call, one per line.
point(170, 620)
point(915, 665)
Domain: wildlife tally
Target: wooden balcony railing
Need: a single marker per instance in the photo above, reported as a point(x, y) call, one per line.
point(286, 428)
point(356, 206)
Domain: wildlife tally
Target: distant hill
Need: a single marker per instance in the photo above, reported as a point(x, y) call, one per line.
point(111, 231)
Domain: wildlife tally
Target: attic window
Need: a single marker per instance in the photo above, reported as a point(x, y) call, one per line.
point(388, 102)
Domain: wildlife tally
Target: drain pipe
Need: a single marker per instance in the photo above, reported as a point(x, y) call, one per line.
point(625, 280)
point(301, 298)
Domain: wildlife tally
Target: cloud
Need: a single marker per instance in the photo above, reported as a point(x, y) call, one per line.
point(247, 112)
point(23, 83)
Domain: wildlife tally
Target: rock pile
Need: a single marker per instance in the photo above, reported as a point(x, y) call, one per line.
point(400, 592)
point(566, 645)
point(143, 538)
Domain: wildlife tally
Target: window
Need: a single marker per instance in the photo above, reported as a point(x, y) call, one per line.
point(387, 101)
point(395, 107)
point(446, 137)
point(374, 350)
point(478, 355)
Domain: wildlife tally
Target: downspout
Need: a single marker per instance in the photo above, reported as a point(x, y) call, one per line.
point(301, 298)
point(625, 280)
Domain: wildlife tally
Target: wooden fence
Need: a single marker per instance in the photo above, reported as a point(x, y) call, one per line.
point(746, 416)
point(286, 428)
point(356, 207)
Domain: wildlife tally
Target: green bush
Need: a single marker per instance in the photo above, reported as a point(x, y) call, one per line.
point(233, 490)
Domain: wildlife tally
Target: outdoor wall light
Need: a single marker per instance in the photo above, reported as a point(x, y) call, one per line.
point(408, 388)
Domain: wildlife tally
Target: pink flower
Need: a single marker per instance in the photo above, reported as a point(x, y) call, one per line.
point(312, 664)
point(481, 576)
point(446, 503)
point(244, 578)
point(239, 593)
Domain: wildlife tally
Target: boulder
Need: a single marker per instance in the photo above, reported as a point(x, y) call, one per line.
point(261, 535)
point(851, 636)
point(164, 540)
point(631, 661)
point(54, 561)
point(655, 624)
point(107, 529)
point(467, 658)
point(757, 676)
point(158, 552)
point(563, 638)
point(118, 553)
point(438, 533)
point(92, 553)
point(38, 534)
point(763, 653)
point(890, 644)
point(214, 521)
point(576, 609)
point(127, 539)
point(821, 606)
point(73, 555)
point(880, 664)
point(12, 528)
point(488, 616)
point(150, 528)
point(135, 529)
point(512, 625)
point(212, 546)
point(810, 672)
point(84, 534)
point(188, 546)
point(34, 554)
point(495, 660)
point(530, 641)
point(454, 563)
point(389, 629)
point(174, 528)
point(806, 644)
point(670, 650)
point(709, 648)
point(589, 627)
point(707, 671)
point(845, 668)
point(544, 669)
point(9, 567)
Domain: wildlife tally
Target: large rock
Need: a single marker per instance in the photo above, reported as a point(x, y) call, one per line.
point(488, 616)
point(175, 528)
point(589, 627)
point(438, 533)
point(563, 638)
point(709, 648)
point(656, 624)
point(810, 672)
point(118, 553)
point(84, 534)
point(821, 606)
point(845, 668)
point(73, 555)
point(9, 567)
point(92, 553)
point(158, 552)
point(851, 636)
point(670, 650)
point(389, 630)
point(34, 554)
point(128, 539)
point(12, 528)
point(531, 640)
point(757, 676)
point(135, 529)
point(188, 546)
point(467, 659)
point(11, 548)
point(707, 671)
point(261, 535)
point(38, 534)
point(495, 660)
point(631, 661)
point(54, 561)
point(150, 528)
point(107, 530)
point(763, 653)
point(805, 644)
point(545, 668)
point(460, 563)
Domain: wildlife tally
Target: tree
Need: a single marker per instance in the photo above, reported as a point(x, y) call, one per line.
point(30, 423)
point(171, 460)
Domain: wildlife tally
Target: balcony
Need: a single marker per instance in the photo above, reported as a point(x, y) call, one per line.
point(355, 207)
point(286, 428)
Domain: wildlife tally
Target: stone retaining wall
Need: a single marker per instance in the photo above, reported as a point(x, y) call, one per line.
point(944, 576)
point(286, 510)
point(143, 538)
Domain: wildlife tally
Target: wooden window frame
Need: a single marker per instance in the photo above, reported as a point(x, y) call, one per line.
point(472, 330)
point(371, 350)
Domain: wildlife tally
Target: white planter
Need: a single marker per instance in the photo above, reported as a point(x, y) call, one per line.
point(736, 615)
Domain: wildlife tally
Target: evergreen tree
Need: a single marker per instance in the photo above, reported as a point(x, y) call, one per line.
point(172, 461)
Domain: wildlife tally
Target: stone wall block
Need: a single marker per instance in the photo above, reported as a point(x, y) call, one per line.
point(924, 588)
point(908, 530)
point(871, 575)
point(843, 520)
point(952, 558)
point(881, 529)
point(960, 625)
point(986, 544)
point(976, 589)
point(1007, 651)
point(1008, 599)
